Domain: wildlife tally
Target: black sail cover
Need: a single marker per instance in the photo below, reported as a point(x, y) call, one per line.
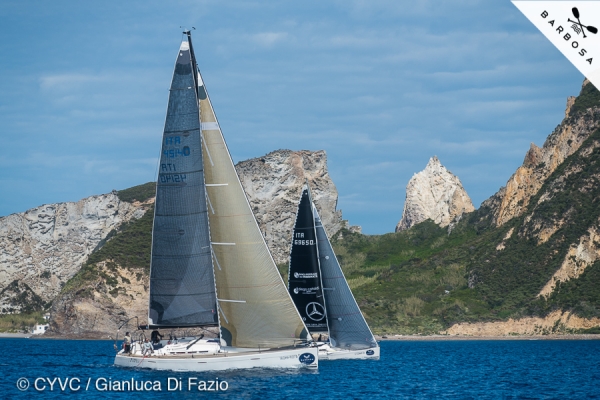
point(347, 326)
point(182, 288)
point(304, 280)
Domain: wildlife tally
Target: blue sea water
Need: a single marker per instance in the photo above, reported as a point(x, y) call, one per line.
point(523, 369)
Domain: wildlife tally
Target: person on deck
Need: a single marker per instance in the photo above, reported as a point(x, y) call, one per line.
point(127, 343)
point(147, 348)
point(155, 336)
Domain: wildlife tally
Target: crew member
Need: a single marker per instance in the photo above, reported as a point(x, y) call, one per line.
point(127, 343)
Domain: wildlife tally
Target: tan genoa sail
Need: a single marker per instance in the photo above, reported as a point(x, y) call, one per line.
point(255, 309)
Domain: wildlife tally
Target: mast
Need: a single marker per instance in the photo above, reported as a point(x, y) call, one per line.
point(182, 286)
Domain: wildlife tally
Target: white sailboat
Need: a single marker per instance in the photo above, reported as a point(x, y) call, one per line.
point(321, 293)
point(210, 264)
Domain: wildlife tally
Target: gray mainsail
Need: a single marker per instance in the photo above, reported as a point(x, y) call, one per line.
point(182, 288)
point(347, 326)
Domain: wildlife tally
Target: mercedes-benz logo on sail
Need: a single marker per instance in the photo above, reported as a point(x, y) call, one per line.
point(315, 311)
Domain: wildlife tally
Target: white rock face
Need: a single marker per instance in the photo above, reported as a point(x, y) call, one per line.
point(273, 184)
point(436, 194)
point(45, 246)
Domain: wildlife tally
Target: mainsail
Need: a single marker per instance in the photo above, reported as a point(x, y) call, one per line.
point(304, 276)
point(255, 310)
point(347, 326)
point(182, 288)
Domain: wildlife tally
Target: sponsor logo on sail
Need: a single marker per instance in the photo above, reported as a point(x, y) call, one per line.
point(306, 358)
point(315, 311)
point(303, 290)
point(303, 275)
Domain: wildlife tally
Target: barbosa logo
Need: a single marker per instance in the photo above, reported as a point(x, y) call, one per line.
point(571, 26)
point(578, 28)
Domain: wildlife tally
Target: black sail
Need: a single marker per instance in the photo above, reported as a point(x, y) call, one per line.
point(304, 280)
point(182, 287)
point(347, 326)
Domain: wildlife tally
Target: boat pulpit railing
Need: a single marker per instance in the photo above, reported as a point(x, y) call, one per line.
point(141, 337)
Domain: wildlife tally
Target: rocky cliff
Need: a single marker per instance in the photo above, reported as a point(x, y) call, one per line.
point(556, 322)
point(273, 184)
point(545, 224)
point(436, 194)
point(44, 247)
point(100, 305)
point(579, 123)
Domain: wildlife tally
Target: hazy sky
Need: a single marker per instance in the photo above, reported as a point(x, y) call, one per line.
point(382, 86)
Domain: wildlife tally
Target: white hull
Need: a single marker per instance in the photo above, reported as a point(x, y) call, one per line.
point(332, 353)
point(223, 361)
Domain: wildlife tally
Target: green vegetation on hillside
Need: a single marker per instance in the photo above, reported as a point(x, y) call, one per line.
point(23, 298)
point(589, 97)
point(581, 295)
point(20, 322)
point(413, 281)
point(139, 193)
